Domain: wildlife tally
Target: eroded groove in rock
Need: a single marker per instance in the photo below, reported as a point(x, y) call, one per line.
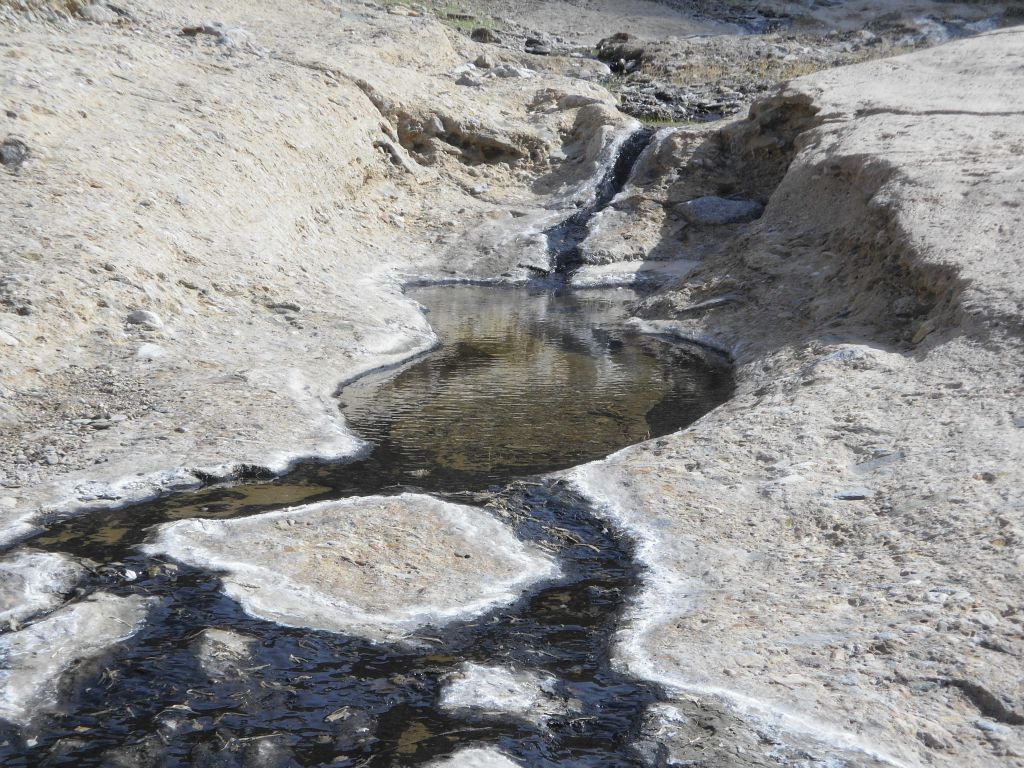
point(564, 239)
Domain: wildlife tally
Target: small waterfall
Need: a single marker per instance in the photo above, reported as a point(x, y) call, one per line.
point(565, 237)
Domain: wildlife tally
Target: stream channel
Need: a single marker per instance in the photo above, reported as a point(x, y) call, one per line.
point(526, 381)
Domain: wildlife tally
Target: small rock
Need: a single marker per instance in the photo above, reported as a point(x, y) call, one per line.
point(98, 14)
point(506, 71)
point(484, 35)
point(855, 494)
point(149, 352)
point(986, 619)
point(283, 307)
point(715, 211)
point(932, 742)
point(13, 153)
point(145, 318)
point(467, 79)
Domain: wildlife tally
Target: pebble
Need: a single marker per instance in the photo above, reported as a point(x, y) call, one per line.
point(715, 211)
point(13, 152)
point(98, 14)
point(145, 318)
point(855, 494)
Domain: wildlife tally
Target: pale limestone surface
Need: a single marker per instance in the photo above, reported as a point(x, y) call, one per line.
point(379, 566)
point(32, 583)
point(835, 553)
point(503, 692)
point(33, 659)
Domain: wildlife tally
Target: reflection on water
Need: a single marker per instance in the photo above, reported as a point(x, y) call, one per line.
point(528, 381)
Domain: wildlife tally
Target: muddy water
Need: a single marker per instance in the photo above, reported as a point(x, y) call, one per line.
point(524, 382)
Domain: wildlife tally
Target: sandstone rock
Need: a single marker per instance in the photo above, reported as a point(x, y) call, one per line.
point(830, 592)
point(379, 567)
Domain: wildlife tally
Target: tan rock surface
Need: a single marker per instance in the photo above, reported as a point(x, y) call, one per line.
point(379, 567)
point(836, 551)
point(208, 233)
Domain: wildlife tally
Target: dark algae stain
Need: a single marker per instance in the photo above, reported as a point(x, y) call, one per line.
point(524, 382)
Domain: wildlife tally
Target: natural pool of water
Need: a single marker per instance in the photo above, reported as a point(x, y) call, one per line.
point(525, 381)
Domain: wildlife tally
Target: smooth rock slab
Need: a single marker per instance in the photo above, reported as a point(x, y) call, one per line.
point(33, 659)
point(713, 211)
point(378, 567)
point(490, 692)
point(34, 582)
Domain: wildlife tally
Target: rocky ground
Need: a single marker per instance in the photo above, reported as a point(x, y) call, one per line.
point(209, 211)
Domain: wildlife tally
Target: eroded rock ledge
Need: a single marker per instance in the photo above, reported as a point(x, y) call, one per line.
point(835, 553)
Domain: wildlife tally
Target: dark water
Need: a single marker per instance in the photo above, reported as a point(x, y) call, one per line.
point(525, 382)
point(564, 239)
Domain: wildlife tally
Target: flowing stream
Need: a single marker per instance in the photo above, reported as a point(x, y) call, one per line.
point(526, 381)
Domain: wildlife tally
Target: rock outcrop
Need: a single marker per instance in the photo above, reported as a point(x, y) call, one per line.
point(835, 552)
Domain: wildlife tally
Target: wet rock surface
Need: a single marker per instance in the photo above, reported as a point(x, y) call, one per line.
point(32, 583)
point(831, 555)
point(209, 671)
point(33, 659)
point(501, 692)
point(475, 758)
